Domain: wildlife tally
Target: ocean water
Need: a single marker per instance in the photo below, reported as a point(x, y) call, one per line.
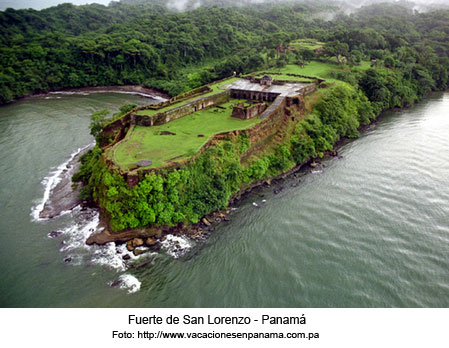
point(367, 229)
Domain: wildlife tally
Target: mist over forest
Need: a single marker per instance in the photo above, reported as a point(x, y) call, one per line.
point(182, 5)
point(344, 5)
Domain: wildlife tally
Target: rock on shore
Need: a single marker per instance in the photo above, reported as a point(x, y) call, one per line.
point(63, 197)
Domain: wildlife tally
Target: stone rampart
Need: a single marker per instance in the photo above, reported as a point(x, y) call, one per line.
point(181, 111)
point(256, 133)
point(179, 98)
point(319, 80)
point(308, 90)
point(253, 95)
point(116, 130)
point(247, 112)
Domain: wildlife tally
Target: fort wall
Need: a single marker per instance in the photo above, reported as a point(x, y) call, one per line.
point(273, 117)
point(277, 81)
point(247, 112)
point(309, 89)
point(253, 95)
point(181, 111)
point(188, 95)
point(257, 134)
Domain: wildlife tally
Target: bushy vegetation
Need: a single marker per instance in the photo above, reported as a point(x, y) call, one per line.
point(167, 198)
point(339, 113)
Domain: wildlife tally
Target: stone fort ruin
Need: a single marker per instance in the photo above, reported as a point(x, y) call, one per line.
point(266, 98)
point(265, 90)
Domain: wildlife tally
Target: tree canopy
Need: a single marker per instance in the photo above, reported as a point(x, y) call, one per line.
point(145, 42)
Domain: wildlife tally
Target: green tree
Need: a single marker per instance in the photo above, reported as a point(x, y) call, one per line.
point(336, 49)
point(98, 121)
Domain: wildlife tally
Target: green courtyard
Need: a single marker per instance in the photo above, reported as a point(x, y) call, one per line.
point(176, 140)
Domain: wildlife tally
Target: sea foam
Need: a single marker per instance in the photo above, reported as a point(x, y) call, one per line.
point(145, 95)
point(83, 222)
point(129, 282)
point(176, 246)
point(50, 182)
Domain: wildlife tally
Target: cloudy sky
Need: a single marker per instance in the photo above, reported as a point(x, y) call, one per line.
point(40, 4)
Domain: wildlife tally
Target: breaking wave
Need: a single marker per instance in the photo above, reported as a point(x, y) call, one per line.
point(50, 182)
point(77, 252)
point(129, 282)
point(145, 95)
point(176, 246)
point(81, 223)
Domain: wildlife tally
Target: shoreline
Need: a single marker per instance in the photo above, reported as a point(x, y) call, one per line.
point(200, 230)
point(146, 92)
point(61, 196)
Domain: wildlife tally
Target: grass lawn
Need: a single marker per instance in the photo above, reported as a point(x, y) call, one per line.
point(284, 77)
point(316, 69)
point(312, 69)
point(147, 143)
point(216, 88)
point(364, 65)
point(306, 44)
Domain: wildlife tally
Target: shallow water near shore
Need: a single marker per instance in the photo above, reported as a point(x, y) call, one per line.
point(370, 229)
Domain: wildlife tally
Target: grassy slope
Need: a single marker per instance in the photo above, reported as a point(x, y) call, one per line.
point(315, 69)
point(306, 44)
point(146, 143)
point(284, 77)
